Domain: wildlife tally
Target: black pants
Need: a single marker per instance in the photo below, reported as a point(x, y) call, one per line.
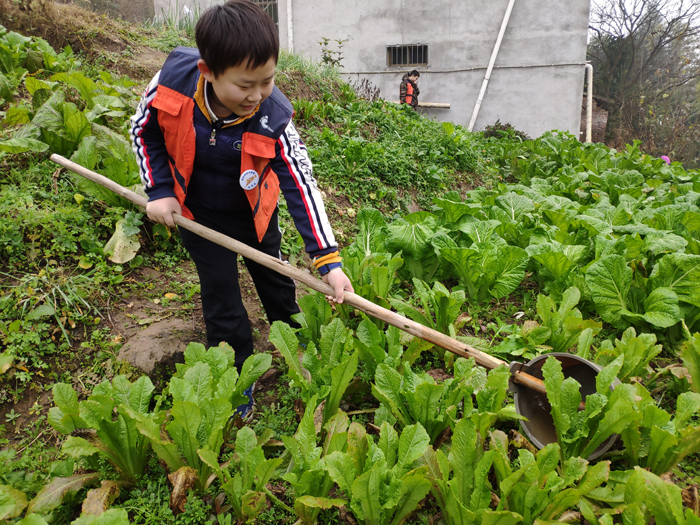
point(224, 313)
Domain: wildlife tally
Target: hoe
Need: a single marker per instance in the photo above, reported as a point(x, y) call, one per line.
point(526, 379)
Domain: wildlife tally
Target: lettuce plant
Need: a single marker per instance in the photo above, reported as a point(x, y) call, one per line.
point(657, 441)
point(538, 488)
point(204, 391)
point(559, 329)
point(440, 308)
point(460, 480)
point(315, 313)
point(379, 479)
point(375, 347)
point(619, 303)
point(580, 433)
point(373, 276)
point(306, 471)
point(484, 263)
point(632, 352)
point(245, 490)
point(323, 372)
point(412, 236)
point(371, 270)
point(647, 496)
point(94, 428)
point(417, 398)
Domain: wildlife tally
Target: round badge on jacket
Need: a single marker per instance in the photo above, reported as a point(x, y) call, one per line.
point(249, 179)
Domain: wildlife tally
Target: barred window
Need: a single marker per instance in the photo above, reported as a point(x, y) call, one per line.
point(270, 7)
point(407, 55)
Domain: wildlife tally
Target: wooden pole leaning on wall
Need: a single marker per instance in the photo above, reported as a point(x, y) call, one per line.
point(407, 325)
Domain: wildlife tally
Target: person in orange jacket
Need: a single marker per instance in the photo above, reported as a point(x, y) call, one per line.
point(215, 143)
point(408, 91)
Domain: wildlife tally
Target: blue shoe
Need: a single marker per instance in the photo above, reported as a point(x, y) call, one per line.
point(246, 411)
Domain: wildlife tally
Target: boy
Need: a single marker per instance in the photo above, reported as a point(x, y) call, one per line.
point(215, 142)
point(408, 90)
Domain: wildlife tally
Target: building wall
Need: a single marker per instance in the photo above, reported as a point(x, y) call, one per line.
point(537, 83)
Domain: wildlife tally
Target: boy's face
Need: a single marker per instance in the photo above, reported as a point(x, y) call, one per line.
point(239, 89)
point(413, 78)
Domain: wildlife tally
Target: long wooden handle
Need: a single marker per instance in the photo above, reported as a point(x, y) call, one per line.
point(407, 325)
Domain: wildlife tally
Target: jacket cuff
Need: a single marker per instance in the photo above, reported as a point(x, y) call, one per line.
point(324, 269)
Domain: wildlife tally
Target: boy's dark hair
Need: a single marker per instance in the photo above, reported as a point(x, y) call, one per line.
point(414, 73)
point(238, 31)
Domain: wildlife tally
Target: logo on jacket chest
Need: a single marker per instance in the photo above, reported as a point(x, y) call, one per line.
point(263, 123)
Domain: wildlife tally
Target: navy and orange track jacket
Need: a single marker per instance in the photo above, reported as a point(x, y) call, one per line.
point(173, 112)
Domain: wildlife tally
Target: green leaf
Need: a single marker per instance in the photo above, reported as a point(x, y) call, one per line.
point(341, 468)
point(490, 517)
point(412, 233)
point(414, 488)
point(663, 500)
point(660, 308)
point(53, 494)
point(140, 395)
point(32, 519)
point(253, 367)
point(78, 447)
point(194, 353)
point(200, 377)
point(515, 205)
point(620, 412)
point(87, 154)
point(366, 490)
point(554, 383)
point(462, 459)
point(681, 273)
point(594, 477)
point(509, 270)
point(691, 359)
point(369, 238)
point(265, 471)
point(341, 376)
point(184, 428)
point(65, 397)
point(109, 517)
point(284, 339)
point(412, 444)
point(609, 280)
point(22, 145)
point(45, 310)
point(12, 502)
point(387, 389)
point(181, 390)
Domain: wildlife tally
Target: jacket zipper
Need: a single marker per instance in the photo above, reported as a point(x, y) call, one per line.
point(216, 127)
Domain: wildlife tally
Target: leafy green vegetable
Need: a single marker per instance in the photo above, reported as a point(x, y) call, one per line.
point(118, 441)
point(324, 373)
point(379, 479)
point(204, 391)
point(245, 490)
point(306, 472)
point(580, 433)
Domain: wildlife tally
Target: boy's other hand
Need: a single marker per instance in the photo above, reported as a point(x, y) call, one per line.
point(161, 210)
point(340, 283)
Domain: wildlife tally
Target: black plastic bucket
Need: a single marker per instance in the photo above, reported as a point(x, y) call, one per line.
point(539, 426)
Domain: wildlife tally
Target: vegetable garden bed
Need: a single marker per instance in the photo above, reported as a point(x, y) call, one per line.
point(560, 247)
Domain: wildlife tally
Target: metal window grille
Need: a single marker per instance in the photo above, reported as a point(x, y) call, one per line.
point(270, 7)
point(407, 55)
